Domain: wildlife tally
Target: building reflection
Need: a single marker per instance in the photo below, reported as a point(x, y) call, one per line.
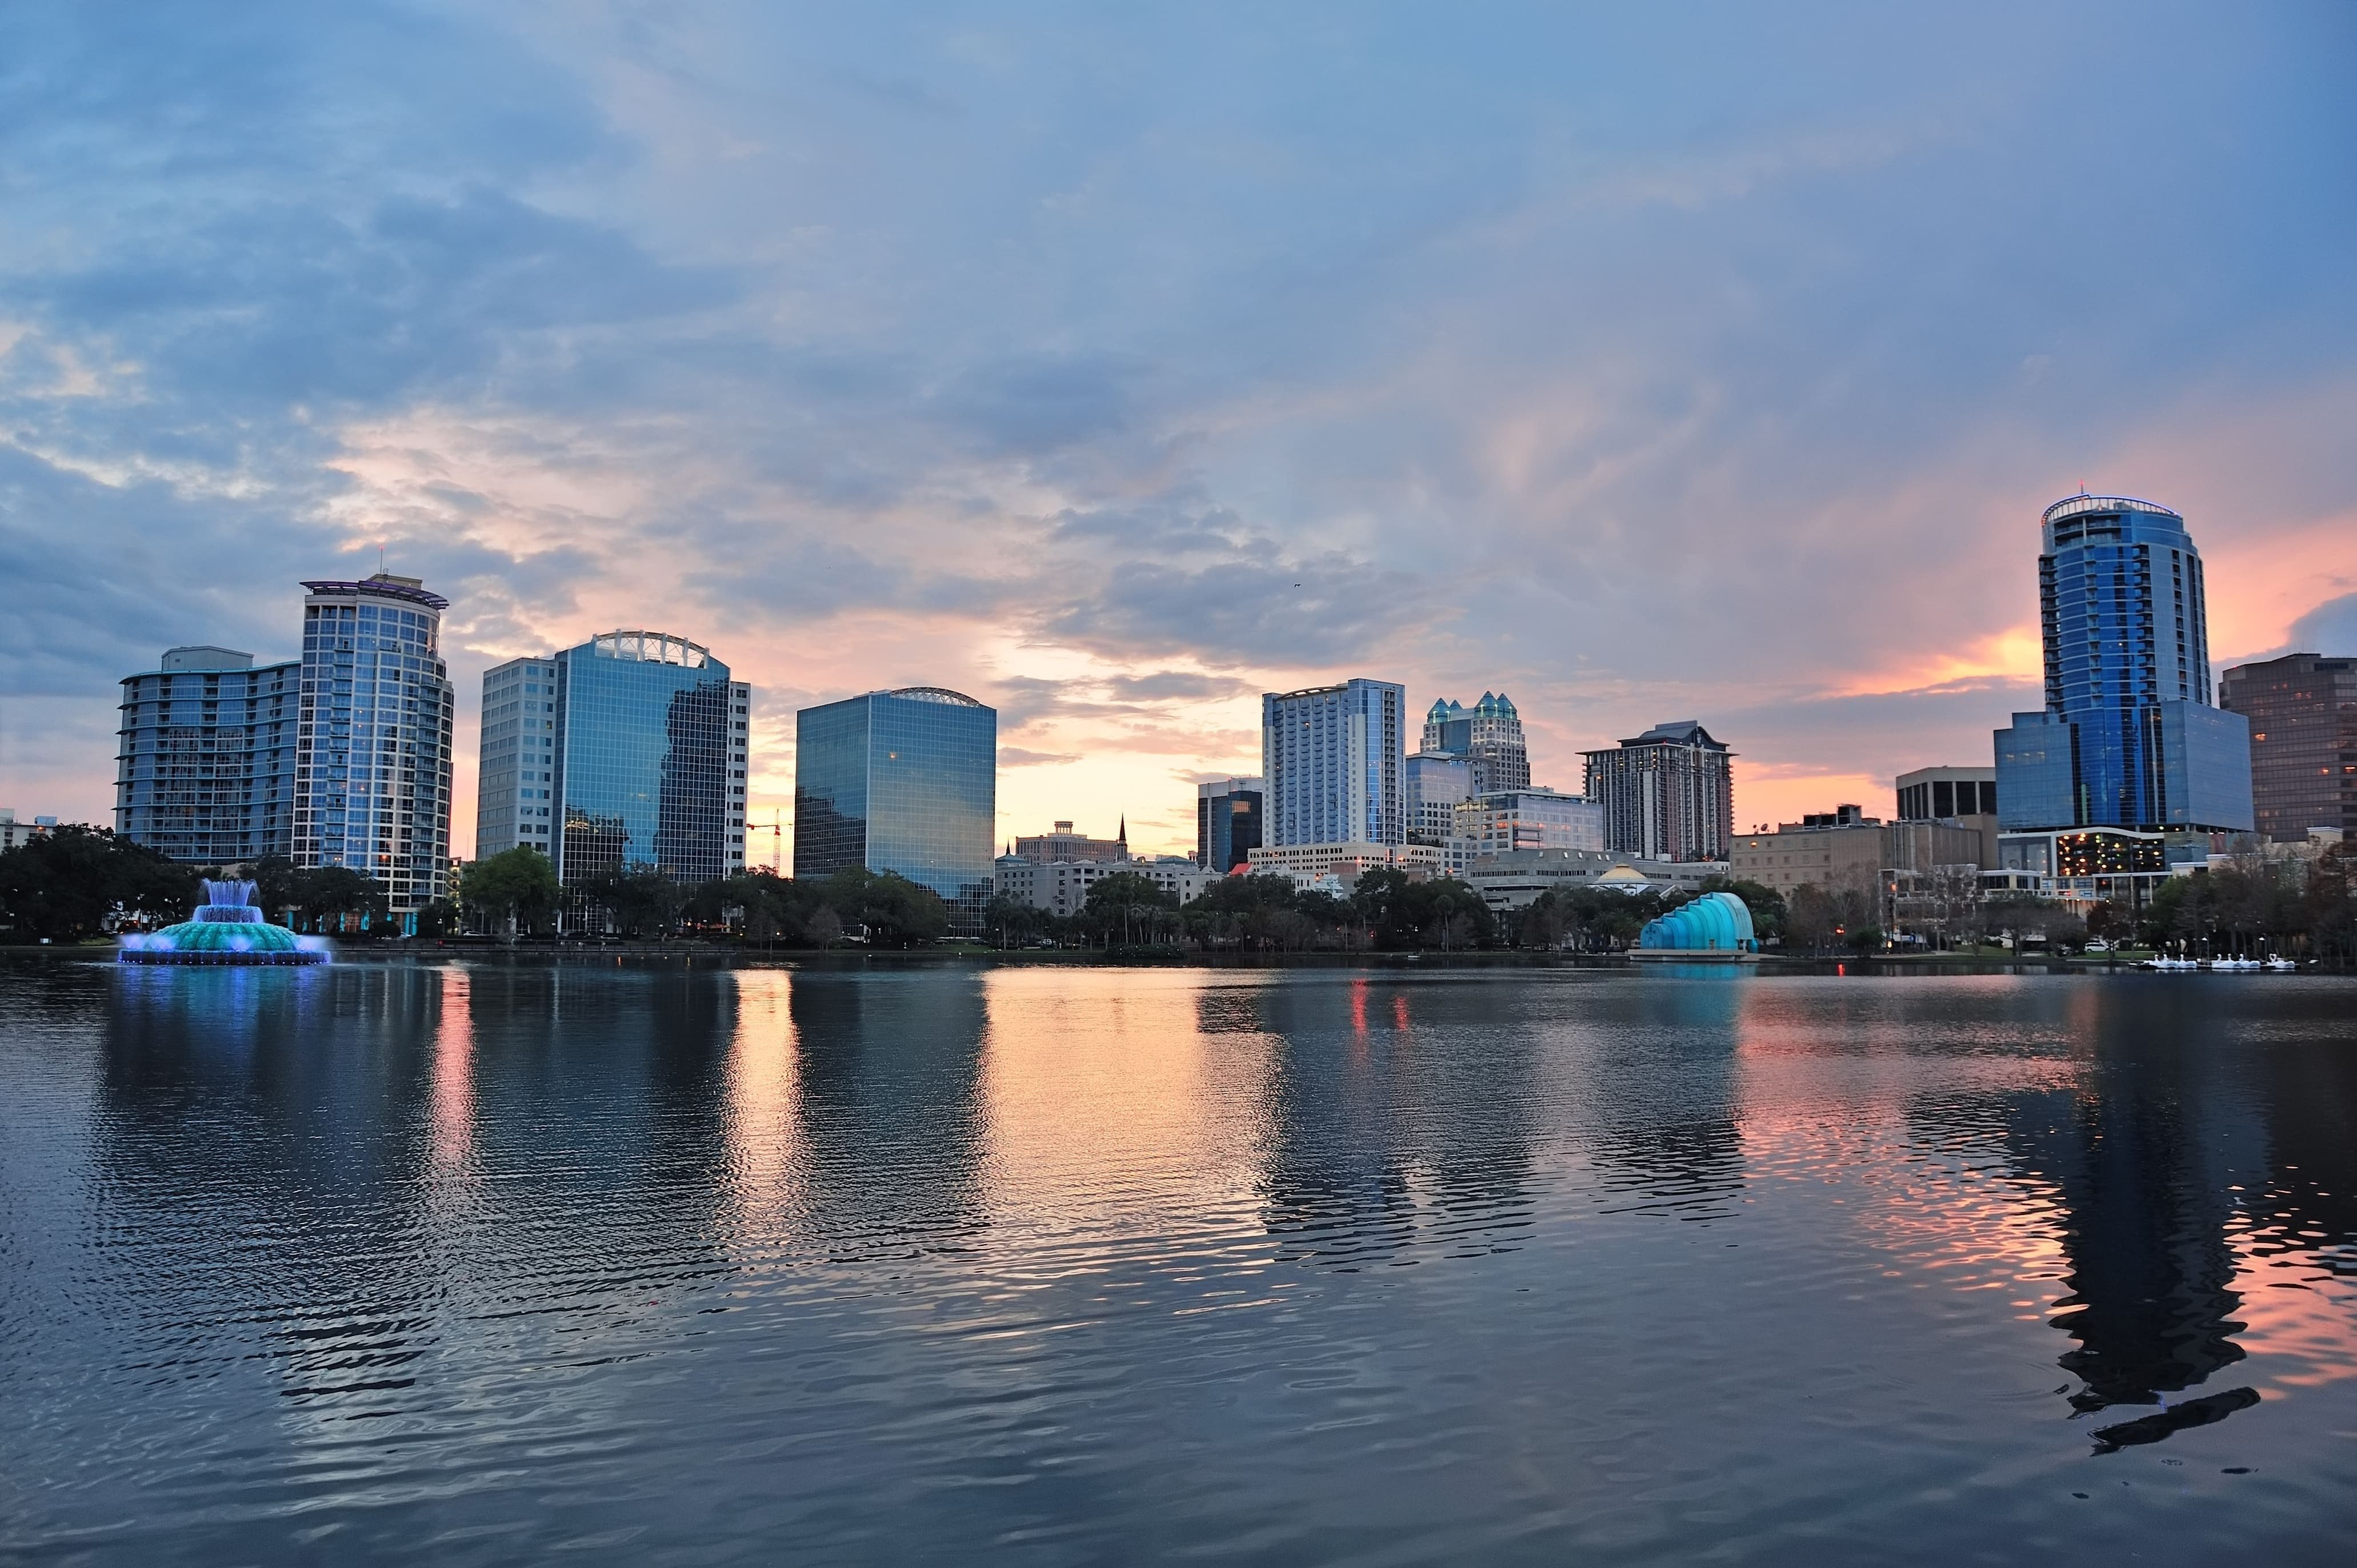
point(1675, 1147)
point(1399, 1118)
point(893, 1137)
point(2142, 1153)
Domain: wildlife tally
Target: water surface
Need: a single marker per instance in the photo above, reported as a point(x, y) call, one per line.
point(488, 1263)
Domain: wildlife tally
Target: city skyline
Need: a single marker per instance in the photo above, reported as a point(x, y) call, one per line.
point(1738, 401)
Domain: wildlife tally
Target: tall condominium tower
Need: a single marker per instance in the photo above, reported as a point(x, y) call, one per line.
point(1668, 794)
point(204, 764)
point(1331, 756)
point(372, 747)
point(905, 782)
point(626, 752)
point(1228, 815)
point(2302, 710)
point(2128, 737)
point(1489, 735)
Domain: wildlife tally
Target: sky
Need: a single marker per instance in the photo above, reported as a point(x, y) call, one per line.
point(1116, 364)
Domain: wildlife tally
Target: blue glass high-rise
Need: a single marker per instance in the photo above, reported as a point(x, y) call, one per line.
point(905, 782)
point(644, 729)
point(2128, 737)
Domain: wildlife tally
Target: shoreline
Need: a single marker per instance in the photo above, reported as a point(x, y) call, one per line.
point(713, 955)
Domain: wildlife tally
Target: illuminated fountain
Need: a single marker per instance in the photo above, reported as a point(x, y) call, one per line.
point(226, 928)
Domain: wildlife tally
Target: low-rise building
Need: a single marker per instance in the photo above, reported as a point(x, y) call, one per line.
point(2092, 866)
point(1515, 879)
point(1507, 819)
point(1061, 886)
point(1346, 861)
point(14, 833)
point(1961, 797)
point(1064, 844)
point(1841, 848)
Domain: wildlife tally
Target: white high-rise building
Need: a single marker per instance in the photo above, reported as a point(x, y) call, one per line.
point(205, 756)
point(1332, 759)
point(372, 745)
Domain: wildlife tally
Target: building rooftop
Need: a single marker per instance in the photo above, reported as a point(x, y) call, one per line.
point(650, 648)
point(2075, 505)
point(381, 585)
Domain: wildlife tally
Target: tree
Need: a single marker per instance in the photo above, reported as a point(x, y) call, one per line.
point(515, 885)
point(640, 900)
point(1130, 901)
point(64, 883)
point(337, 894)
point(1016, 922)
point(825, 928)
point(895, 912)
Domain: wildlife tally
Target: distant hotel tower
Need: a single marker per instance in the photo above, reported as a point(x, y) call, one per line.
point(1489, 735)
point(626, 752)
point(904, 781)
point(1332, 758)
point(2128, 737)
point(373, 748)
point(1667, 794)
point(204, 765)
point(2303, 716)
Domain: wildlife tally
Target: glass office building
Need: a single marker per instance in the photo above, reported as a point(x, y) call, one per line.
point(2303, 716)
point(204, 766)
point(905, 782)
point(2128, 737)
point(372, 742)
point(628, 752)
point(1227, 823)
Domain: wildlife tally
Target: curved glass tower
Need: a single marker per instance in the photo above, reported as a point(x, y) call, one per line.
point(905, 782)
point(2128, 737)
point(373, 748)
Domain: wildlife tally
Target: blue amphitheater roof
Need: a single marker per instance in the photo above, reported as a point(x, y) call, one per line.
point(1716, 922)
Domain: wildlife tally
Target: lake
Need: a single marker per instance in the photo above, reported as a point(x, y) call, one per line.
point(488, 1264)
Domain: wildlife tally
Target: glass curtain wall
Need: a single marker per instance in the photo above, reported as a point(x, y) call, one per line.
point(643, 758)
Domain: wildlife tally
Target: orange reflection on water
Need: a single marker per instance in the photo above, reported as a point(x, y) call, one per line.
point(1108, 1107)
point(763, 1122)
point(452, 1104)
point(2299, 1320)
point(1928, 1184)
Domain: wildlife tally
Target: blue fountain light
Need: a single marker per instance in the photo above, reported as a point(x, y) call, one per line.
point(226, 928)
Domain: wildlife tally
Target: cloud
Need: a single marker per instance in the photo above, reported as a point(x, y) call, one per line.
point(1118, 371)
point(2331, 629)
point(1015, 756)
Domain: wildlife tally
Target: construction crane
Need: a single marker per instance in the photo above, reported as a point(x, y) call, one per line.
point(777, 843)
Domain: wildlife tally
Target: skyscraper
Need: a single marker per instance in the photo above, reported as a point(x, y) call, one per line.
point(1667, 794)
point(205, 756)
point(1437, 783)
point(1489, 735)
point(628, 751)
point(1227, 818)
point(2128, 737)
point(372, 744)
point(2302, 710)
point(905, 782)
point(1332, 758)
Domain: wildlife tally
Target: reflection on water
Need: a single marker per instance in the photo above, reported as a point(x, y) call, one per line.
point(493, 1262)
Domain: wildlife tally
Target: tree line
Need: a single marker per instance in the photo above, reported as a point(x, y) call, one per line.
point(75, 882)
